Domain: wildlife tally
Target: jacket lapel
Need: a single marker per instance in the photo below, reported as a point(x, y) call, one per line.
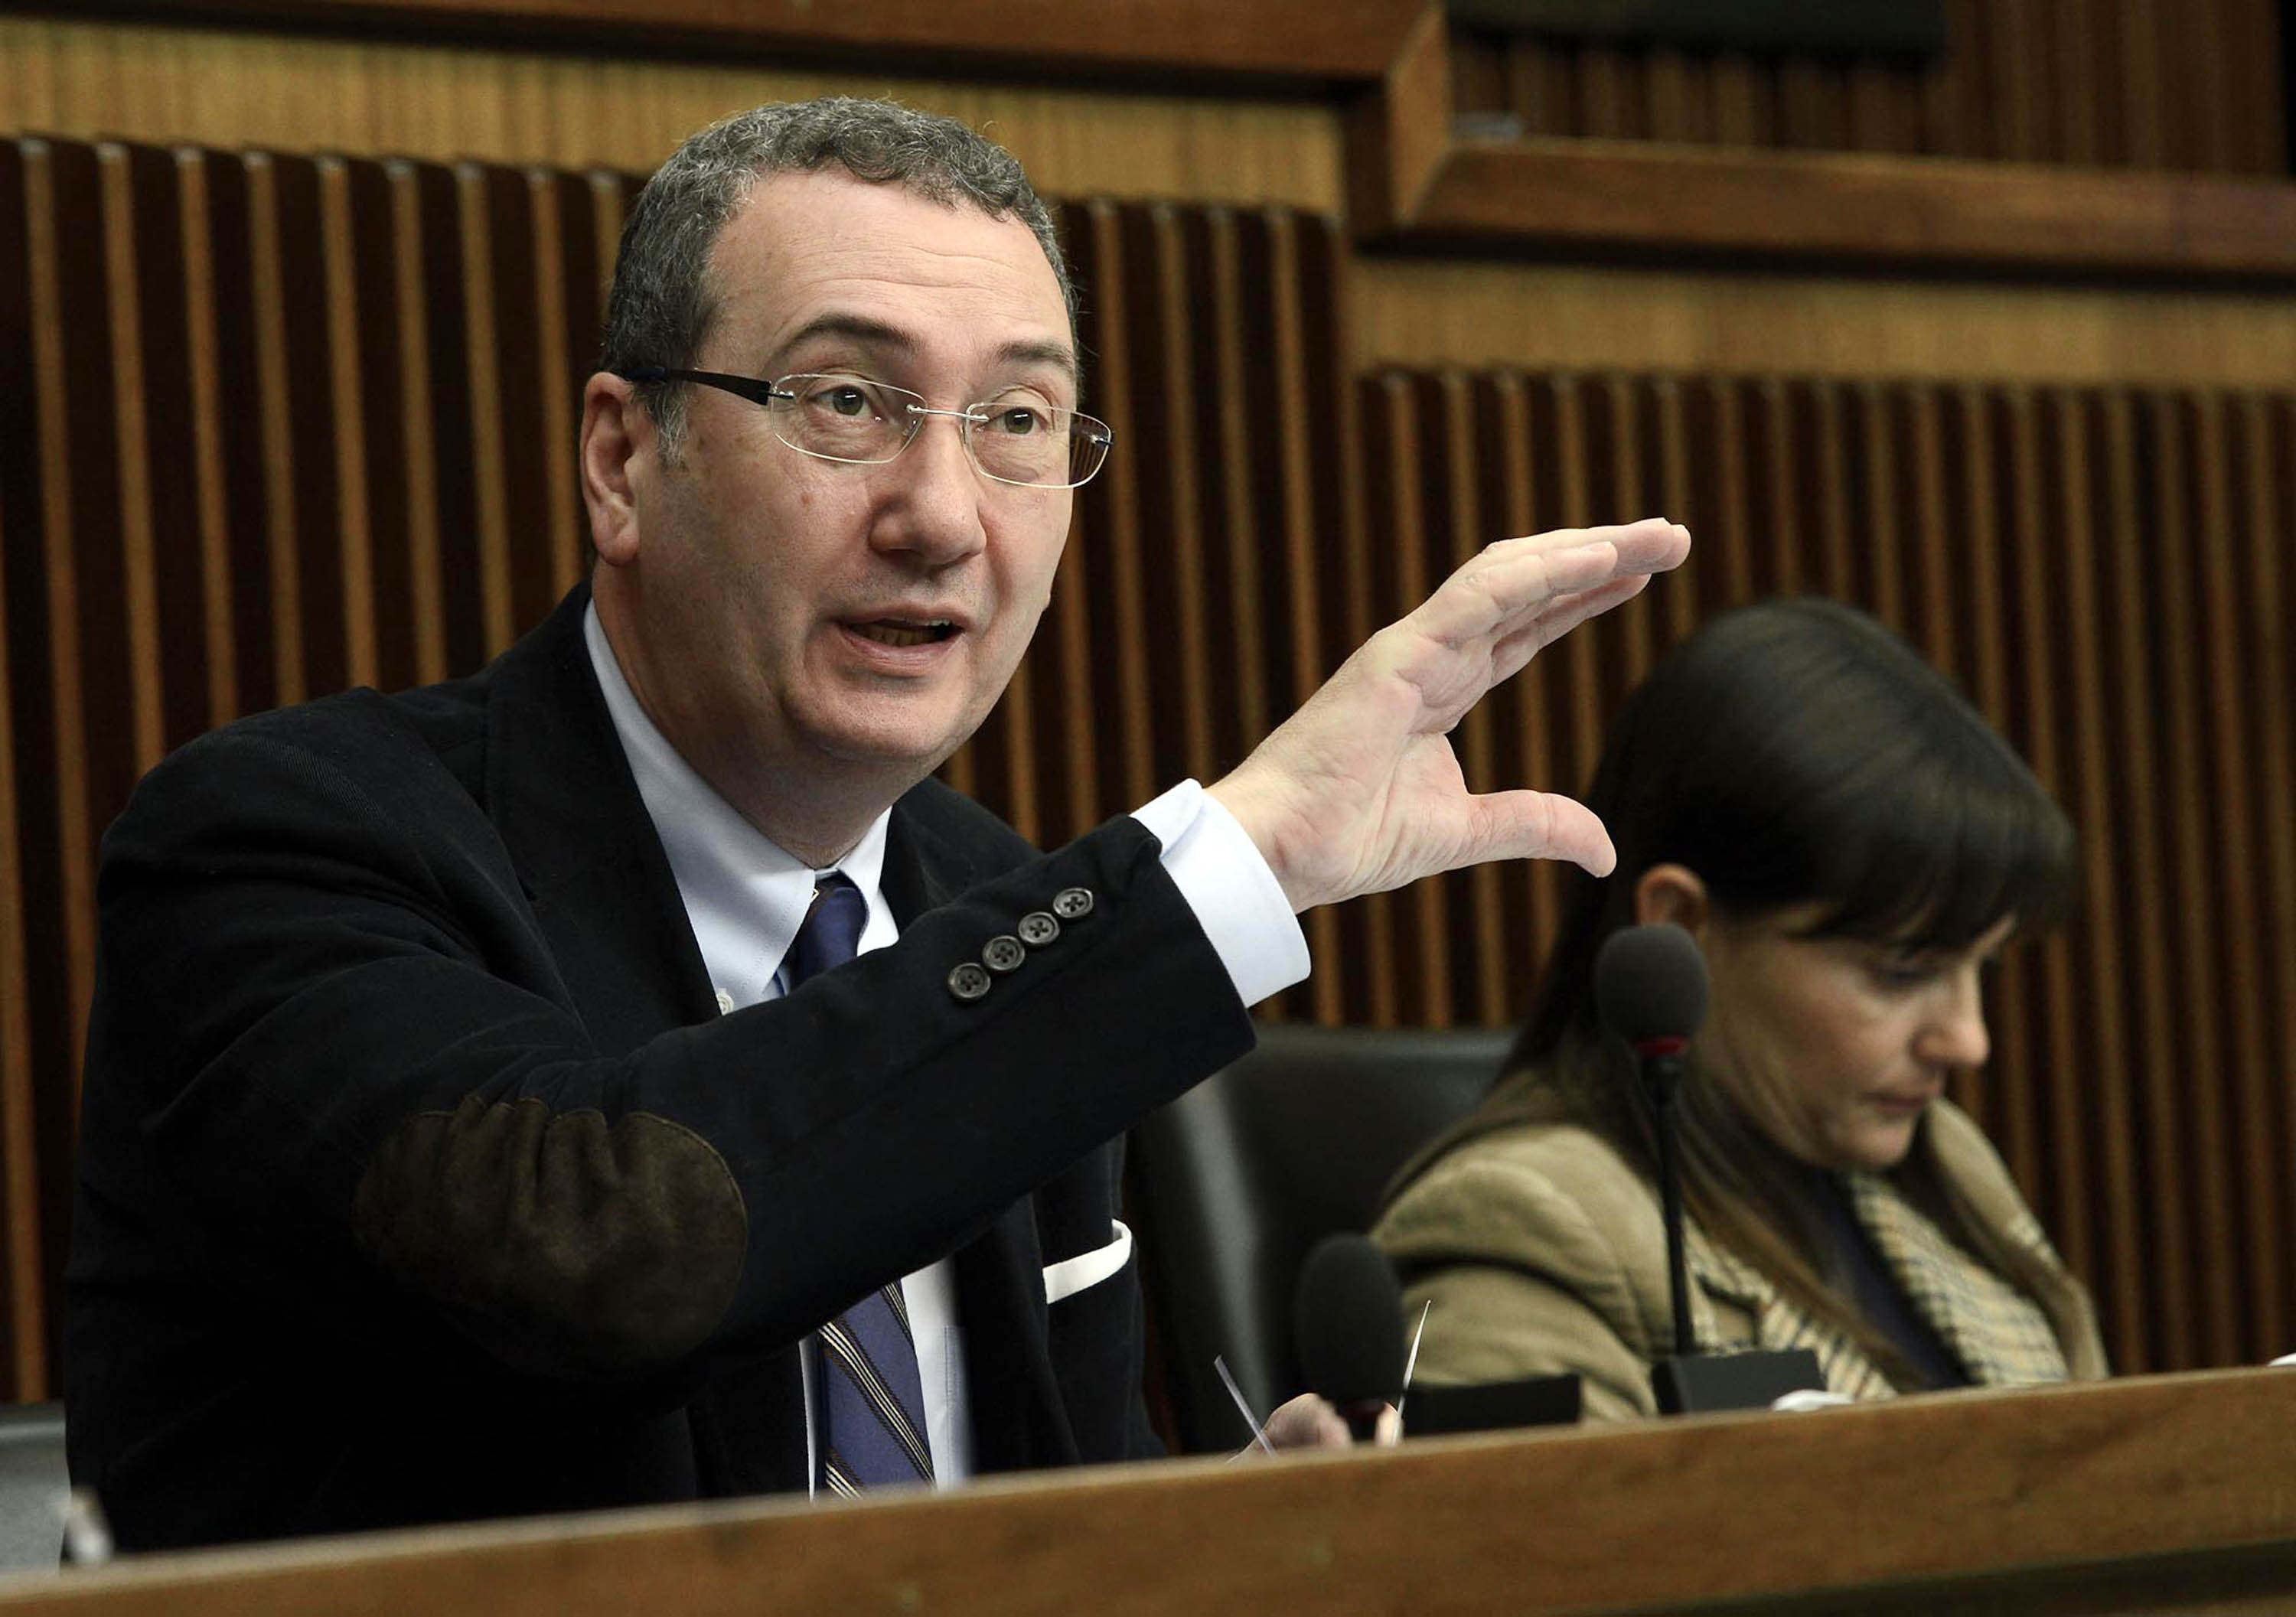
point(562, 797)
point(1019, 1420)
point(560, 794)
point(1725, 1286)
point(1998, 1335)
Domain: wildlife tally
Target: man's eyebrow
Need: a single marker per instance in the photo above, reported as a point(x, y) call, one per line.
point(861, 328)
point(1058, 354)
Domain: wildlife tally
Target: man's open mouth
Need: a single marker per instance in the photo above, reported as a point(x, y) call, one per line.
point(890, 632)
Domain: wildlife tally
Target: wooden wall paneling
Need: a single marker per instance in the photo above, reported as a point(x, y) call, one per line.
point(519, 377)
point(1240, 517)
point(1578, 711)
point(1188, 472)
point(2236, 860)
point(1119, 619)
point(1813, 105)
point(1612, 94)
point(1678, 109)
point(23, 1312)
point(2138, 25)
point(2163, 1122)
point(350, 375)
point(258, 623)
point(559, 369)
point(67, 334)
point(1416, 541)
point(2095, 1068)
point(1484, 965)
point(30, 997)
point(2027, 104)
point(2123, 83)
point(328, 531)
point(2183, 786)
point(2226, 965)
point(1624, 489)
point(470, 581)
point(2062, 1068)
point(2270, 444)
point(483, 382)
point(268, 312)
point(209, 498)
point(1745, 101)
point(1669, 456)
point(1532, 751)
point(1295, 412)
point(422, 567)
point(138, 647)
point(2079, 51)
point(1824, 490)
point(1879, 512)
point(1971, 566)
point(1775, 516)
point(71, 353)
point(1376, 960)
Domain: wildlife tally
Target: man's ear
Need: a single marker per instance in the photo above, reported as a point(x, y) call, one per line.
point(617, 436)
point(1671, 892)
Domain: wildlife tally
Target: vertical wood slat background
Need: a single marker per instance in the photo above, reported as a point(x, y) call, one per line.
point(2137, 84)
point(301, 421)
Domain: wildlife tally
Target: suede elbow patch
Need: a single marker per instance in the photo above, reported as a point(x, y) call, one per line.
point(563, 1245)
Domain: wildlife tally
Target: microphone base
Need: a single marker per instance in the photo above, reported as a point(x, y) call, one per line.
point(1702, 1382)
point(1363, 1418)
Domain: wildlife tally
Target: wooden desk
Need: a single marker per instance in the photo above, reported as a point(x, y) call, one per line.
point(2160, 1494)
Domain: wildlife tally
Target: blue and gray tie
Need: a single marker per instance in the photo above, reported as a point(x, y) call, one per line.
point(872, 1399)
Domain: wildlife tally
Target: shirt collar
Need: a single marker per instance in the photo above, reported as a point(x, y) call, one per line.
point(745, 895)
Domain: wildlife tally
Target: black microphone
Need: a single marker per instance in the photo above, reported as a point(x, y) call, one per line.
point(1650, 990)
point(1347, 1321)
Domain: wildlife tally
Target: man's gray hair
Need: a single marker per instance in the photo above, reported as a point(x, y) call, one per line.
point(662, 306)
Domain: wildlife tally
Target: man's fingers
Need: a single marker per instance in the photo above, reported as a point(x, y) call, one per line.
point(1562, 614)
point(1525, 824)
point(1490, 596)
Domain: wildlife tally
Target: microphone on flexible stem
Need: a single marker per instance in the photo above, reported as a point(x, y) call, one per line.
point(1347, 1321)
point(1650, 990)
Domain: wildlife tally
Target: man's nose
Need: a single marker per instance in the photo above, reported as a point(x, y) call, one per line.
point(930, 496)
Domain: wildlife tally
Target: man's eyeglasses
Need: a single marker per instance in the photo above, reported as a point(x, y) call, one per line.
point(1016, 439)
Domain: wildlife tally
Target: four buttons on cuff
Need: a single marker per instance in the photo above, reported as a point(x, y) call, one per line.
point(1007, 953)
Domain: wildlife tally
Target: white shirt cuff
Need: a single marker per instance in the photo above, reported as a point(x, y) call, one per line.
point(1238, 902)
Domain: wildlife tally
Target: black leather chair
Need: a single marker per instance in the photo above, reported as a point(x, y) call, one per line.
point(1233, 1184)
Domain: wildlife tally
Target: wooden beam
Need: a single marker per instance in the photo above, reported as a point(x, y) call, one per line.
point(1308, 44)
point(1834, 210)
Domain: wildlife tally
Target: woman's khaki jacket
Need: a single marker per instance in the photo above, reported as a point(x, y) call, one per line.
point(1544, 1253)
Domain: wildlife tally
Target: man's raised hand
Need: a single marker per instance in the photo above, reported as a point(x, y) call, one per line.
point(1359, 791)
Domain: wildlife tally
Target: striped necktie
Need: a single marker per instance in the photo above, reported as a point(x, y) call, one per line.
point(872, 1398)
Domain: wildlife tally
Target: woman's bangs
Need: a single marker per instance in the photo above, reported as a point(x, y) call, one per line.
point(1935, 863)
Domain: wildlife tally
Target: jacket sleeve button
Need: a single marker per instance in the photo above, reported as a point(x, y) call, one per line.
point(1037, 928)
point(1003, 954)
point(969, 983)
point(1073, 903)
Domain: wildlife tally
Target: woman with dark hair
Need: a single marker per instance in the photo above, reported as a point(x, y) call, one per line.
point(1850, 844)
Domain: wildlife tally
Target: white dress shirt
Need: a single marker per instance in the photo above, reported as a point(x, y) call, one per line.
point(745, 898)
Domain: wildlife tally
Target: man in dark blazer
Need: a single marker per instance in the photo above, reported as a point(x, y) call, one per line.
point(460, 1136)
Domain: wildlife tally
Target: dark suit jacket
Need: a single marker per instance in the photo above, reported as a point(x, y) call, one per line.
point(420, 1179)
